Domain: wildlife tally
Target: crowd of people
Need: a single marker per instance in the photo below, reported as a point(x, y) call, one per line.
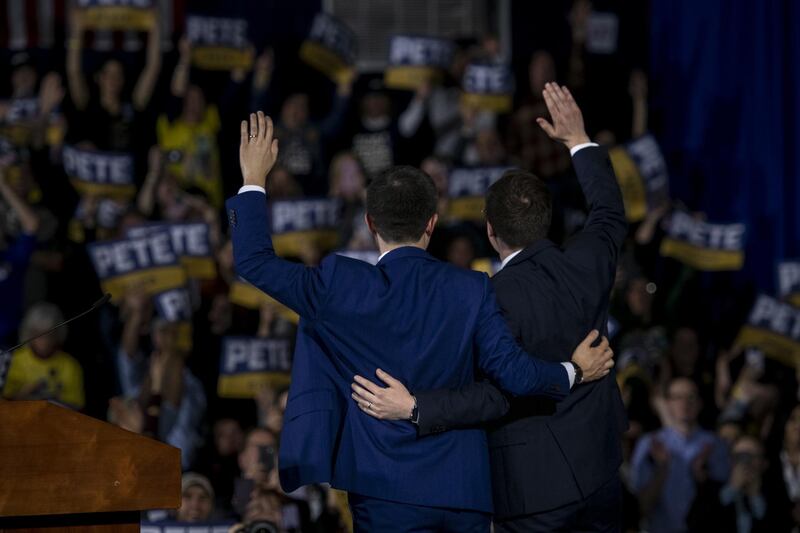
point(714, 435)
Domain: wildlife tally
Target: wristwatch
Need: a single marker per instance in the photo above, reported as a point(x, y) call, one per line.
point(414, 418)
point(578, 373)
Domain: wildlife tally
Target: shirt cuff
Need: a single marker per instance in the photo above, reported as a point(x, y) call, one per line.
point(570, 373)
point(578, 147)
point(248, 188)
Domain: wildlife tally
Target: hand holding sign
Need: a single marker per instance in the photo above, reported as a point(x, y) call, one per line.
point(258, 151)
point(567, 126)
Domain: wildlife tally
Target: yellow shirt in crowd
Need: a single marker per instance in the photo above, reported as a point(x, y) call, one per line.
point(192, 153)
point(59, 378)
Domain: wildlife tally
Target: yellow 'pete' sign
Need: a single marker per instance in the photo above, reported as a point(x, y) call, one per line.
point(488, 86)
point(147, 264)
point(245, 295)
point(117, 14)
point(248, 363)
point(331, 47)
point(642, 175)
point(773, 327)
point(190, 241)
point(415, 60)
point(702, 245)
point(789, 281)
point(105, 174)
point(467, 188)
point(300, 223)
point(219, 43)
point(175, 305)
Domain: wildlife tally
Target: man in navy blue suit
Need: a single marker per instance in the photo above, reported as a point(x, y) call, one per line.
point(428, 323)
point(554, 466)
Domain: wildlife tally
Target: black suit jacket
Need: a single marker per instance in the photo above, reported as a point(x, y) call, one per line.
point(546, 454)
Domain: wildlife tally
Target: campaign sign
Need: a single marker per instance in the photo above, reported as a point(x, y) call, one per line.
point(646, 154)
point(245, 295)
point(467, 188)
point(789, 281)
point(414, 60)
point(702, 245)
point(17, 123)
point(602, 31)
point(297, 224)
point(95, 173)
point(331, 47)
point(147, 264)
point(117, 14)
point(774, 328)
point(191, 241)
point(175, 305)
point(488, 86)
point(249, 363)
point(169, 526)
point(630, 183)
point(219, 43)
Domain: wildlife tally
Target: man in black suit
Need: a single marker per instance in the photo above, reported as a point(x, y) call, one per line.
point(554, 466)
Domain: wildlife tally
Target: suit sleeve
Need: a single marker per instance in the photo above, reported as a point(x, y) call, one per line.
point(302, 289)
point(445, 409)
point(501, 358)
point(600, 241)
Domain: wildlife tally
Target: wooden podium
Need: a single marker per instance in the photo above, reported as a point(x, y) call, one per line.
point(63, 471)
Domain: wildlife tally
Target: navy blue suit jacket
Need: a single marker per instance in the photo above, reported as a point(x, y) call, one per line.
point(427, 323)
point(546, 455)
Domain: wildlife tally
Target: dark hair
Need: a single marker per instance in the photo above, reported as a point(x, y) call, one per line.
point(400, 201)
point(519, 208)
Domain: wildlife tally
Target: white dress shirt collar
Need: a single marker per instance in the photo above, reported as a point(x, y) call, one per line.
point(508, 259)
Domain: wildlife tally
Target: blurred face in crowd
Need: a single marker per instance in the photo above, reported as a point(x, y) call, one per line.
point(111, 79)
point(729, 432)
point(437, 170)
point(375, 105)
point(638, 297)
point(165, 336)
point(461, 252)
point(47, 346)
point(249, 457)
point(129, 220)
point(491, 46)
point(196, 505)
point(23, 81)
point(461, 59)
point(282, 184)
point(228, 437)
point(347, 180)
point(541, 70)
point(294, 113)
point(683, 402)
point(490, 149)
point(171, 199)
point(194, 104)
point(685, 351)
point(791, 431)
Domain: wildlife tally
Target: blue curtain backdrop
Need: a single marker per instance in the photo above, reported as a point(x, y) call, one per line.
point(725, 95)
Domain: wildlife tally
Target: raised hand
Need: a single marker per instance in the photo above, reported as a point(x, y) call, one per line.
point(258, 151)
point(392, 402)
point(567, 126)
point(595, 362)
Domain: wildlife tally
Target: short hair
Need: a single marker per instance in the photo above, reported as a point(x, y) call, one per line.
point(400, 201)
point(519, 208)
point(40, 318)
